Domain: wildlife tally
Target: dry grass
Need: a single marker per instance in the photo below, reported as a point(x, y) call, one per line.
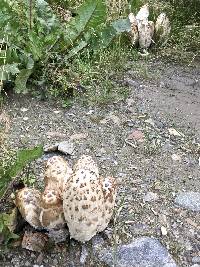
point(116, 8)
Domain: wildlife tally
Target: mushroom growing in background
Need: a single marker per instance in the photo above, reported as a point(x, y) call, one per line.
point(134, 29)
point(144, 31)
point(162, 28)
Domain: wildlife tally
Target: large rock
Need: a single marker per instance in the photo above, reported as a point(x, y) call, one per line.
point(189, 200)
point(142, 252)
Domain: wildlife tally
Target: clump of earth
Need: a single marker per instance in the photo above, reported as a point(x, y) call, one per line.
point(150, 143)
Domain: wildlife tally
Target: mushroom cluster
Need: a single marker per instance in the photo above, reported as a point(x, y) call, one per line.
point(79, 197)
point(143, 31)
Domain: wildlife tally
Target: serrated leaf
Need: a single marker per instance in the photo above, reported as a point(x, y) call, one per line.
point(5, 231)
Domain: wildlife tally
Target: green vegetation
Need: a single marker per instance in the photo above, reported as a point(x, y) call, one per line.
point(10, 169)
point(6, 227)
point(35, 42)
point(49, 56)
point(12, 164)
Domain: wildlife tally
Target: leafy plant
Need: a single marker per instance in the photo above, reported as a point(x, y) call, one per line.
point(14, 167)
point(34, 37)
point(30, 33)
point(6, 227)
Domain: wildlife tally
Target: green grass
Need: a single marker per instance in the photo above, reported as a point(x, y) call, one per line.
point(98, 74)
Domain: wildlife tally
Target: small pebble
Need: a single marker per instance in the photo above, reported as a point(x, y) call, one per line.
point(163, 230)
point(150, 196)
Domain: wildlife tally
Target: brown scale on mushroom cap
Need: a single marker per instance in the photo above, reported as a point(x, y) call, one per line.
point(85, 200)
point(57, 173)
point(51, 215)
point(28, 202)
point(46, 210)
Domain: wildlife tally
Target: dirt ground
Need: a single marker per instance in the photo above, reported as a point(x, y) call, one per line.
point(149, 142)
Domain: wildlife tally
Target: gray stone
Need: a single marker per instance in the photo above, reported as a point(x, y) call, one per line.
point(131, 82)
point(58, 235)
point(84, 254)
point(196, 259)
point(142, 252)
point(66, 147)
point(189, 200)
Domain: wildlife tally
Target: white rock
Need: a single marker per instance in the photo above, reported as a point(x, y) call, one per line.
point(174, 132)
point(24, 109)
point(176, 157)
point(150, 121)
point(56, 111)
point(150, 196)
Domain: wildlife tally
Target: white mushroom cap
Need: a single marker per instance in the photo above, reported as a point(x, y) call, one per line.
point(87, 163)
point(134, 29)
point(132, 18)
point(146, 32)
point(162, 26)
point(88, 201)
point(143, 14)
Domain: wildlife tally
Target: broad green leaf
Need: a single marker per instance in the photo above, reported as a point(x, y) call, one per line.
point(121, 25)
point(10, 68)
point(30, 63)
point(21, 80)
point(91, 14)
point(4, 76)
point(24, 156)
point(105, 36)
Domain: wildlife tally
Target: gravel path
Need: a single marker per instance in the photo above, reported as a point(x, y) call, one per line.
point(150, 143)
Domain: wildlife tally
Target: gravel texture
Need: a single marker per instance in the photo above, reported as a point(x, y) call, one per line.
point(149, 142)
